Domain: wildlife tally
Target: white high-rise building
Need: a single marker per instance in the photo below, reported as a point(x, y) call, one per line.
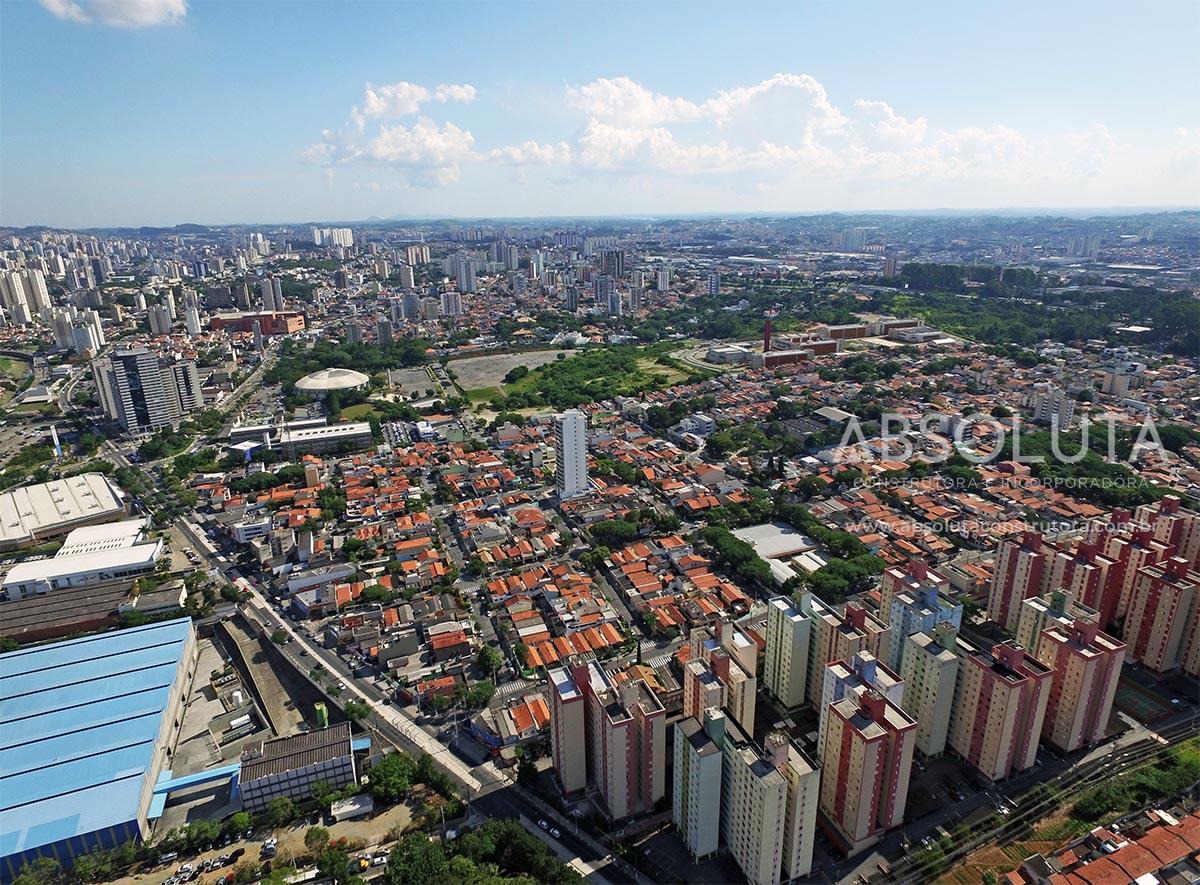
point(61, 322)
point(25, 287)
point(1052, 405)
point(929, 670)
point(12, 295)
point(20, 315)
point(785, 668)
point(464, 273)
point(664, 278)
point(36, 294)
point(451, 305)
point(333, 236)
point(271, 289)
point(83, 340)
point(570, 438)
point(697, 796)
point(769, 801)
point(406, 276)
point(92, 319)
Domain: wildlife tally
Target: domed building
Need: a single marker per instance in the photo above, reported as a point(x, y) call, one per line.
point(321, 383)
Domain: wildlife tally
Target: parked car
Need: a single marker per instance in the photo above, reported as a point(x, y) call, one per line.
point(543, 825)
point(555, 832)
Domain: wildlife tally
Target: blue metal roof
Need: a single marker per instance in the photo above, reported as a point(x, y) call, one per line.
point(79, 721)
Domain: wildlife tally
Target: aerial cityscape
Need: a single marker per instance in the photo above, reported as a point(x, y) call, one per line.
point(743, 455)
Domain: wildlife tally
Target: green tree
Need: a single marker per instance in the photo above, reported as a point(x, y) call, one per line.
point(43, 871)
point(281, 811)
point(489, 660)
point(392, 778)
point(323, 793)
point(416, 859)
point(334, 864)
point(316, 838)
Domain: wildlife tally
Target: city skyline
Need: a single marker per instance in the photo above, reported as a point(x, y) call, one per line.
point(158, 112)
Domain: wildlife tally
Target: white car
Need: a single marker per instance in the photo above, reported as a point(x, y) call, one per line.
point(543, 825)
point(555, 832)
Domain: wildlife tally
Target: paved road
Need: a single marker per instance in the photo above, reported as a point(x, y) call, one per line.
point(489, 790)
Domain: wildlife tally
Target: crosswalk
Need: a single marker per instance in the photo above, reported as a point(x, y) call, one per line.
point(658, 661)
point(515, 687)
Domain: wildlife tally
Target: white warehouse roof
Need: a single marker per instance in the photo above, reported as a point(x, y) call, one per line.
point(35, 511)
point(335, 431)
point(138, 555)
point(108, 536)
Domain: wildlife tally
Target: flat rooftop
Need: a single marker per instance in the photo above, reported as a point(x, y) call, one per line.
point(353, 428)
point(79, 724)
point(564, 684)
point(37, 510)
point(775, 540)
point(107, 536)
point(121, 557)
point(696, 736)
point(787, 608)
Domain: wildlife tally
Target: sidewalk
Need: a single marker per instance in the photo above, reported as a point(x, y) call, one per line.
point(397, 720)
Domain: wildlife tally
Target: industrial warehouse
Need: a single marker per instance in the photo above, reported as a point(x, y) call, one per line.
point(86, 726)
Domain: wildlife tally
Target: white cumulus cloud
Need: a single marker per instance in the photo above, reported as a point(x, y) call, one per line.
point(426, 152)
point(530, 153)
point(119, 13)
point(784, 136)
point(463, 92)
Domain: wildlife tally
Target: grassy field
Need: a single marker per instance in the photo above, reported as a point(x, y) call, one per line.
point(360, 412)
point(482, 394)
point(651, 366)
point(12, 368)
point(590, 375)
point(13, 373)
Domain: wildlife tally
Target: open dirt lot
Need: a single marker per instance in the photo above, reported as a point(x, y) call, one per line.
point(489, 371)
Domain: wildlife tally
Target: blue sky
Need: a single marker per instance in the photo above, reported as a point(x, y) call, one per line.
point(216, 111)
